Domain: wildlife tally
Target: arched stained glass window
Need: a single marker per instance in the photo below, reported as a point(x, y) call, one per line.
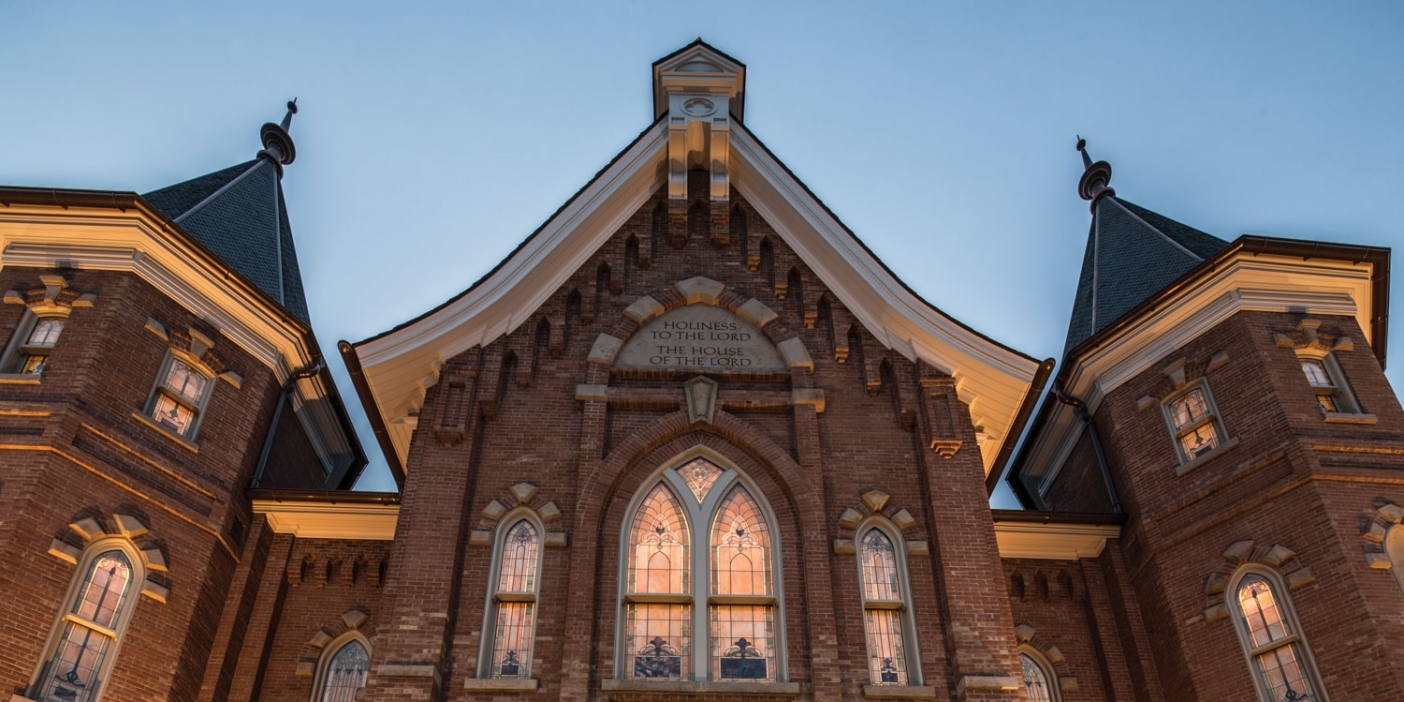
point(31, 345)
point(714, 543)
point(513, 609)
point(345, 672)
point(1274, 647)
point(90, 630)
point(742, 628)
point(885, 609)
point(1038, 683)
point(659, 611)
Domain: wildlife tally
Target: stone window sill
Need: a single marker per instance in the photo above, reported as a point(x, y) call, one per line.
point(19, 698)
point(700, 689)
point(501, 684)
point(1350, 418)
point(899, 692)
point(1221, 450)
point(148, 421)
point(19, 379)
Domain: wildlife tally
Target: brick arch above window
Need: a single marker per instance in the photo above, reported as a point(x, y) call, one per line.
point(85, 530)
point(1046, 654)
point(1275, 557)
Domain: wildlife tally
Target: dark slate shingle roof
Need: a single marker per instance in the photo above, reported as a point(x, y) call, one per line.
point(1132, 253)
point(240, 215)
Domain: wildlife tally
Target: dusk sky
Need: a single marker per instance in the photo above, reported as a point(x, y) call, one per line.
point(432, 138)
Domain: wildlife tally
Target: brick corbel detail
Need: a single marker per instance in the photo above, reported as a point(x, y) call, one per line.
point(938, 394)
point(457, 385)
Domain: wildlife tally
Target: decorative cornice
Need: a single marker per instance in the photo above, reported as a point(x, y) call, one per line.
point(308, 519)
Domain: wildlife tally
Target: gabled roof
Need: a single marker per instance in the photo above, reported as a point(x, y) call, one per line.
point(240, 215)
point(393, 370)
point(1132, 253)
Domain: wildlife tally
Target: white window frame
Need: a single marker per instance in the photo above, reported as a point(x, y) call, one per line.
point(1212, 417)
point(1288, 612)
point(1339, 391)
point(701, 598)
point(329, 652)
point(489, 636)
point(17, 351)
point(1055, 692)
point(909, 630)
point(159, 390)
point(123, 618)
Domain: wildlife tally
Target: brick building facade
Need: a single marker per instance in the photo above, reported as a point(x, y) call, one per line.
point(691, 440)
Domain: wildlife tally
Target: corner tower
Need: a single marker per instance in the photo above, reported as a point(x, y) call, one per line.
point(1230, 397)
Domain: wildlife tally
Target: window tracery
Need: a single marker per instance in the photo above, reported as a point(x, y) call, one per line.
point(344, 670)
point(730, 562)
point(90, 628)
point(1038, 679)
point(512, 611)
point(885, 608)
point(1270, 639)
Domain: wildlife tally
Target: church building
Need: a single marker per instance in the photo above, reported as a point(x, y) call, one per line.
point(690, 440)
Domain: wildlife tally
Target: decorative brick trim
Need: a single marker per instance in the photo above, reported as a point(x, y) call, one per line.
point(520, 496)
point(87, 529)
point(1279, 558)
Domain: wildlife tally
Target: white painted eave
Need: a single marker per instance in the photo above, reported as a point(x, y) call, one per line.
point(1053, 541)
point(1244, 281)
point(328, 520)
point(400, 365)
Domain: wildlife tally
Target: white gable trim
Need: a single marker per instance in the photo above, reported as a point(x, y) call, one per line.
point(401, 365)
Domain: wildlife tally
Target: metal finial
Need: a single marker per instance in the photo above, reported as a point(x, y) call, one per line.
point(1082, 149)
point(292, 110)
point(277, 143)
point(1096, 177)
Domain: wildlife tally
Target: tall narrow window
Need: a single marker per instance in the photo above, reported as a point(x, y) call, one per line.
point(1195, 423)
point(180, 397)
point(728, 560)
point(1267, 629)
point(1038, 682)
point(743, 609)
point(34, 340)
point(89, 631)
point(343, 674)
point(658, 611)
point(1324, 376)
point(514, 610)
point(885, 609)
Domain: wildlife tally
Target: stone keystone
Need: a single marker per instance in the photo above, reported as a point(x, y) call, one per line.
point(700, 289)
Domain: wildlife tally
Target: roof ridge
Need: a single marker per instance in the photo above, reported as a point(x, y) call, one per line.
point(1155, 229)
point(222, 189)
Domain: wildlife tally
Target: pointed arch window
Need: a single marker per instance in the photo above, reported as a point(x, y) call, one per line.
point(1267, 628)
point(512, 611)
point(1039, 681)
point(886, 608)
point(343, 671)
point(90, 628)
point(730, 560)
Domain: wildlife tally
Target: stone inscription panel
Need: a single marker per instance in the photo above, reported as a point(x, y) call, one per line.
point(700, 337)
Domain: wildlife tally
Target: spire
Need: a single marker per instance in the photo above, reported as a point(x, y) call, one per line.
point(277, 142)
point(1132, 254)
point(240, 215)
point(1096, 177)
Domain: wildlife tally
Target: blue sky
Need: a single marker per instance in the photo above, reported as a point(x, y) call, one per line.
point(434, 137)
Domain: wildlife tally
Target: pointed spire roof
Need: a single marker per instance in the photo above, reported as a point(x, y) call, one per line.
point(239, 213)
point(1132, 253)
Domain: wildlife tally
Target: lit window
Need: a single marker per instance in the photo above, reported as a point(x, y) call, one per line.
point(884, 609)
point(180, 397)
point(514, 609)
point(1038, 685)
point(659, 632)
point(87, 643)
point(1194, 422)
point(36, 339)
point(1269, 638)
point(743, 635)
point(1332, 394)
point(344, 672)
point(731, 564)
